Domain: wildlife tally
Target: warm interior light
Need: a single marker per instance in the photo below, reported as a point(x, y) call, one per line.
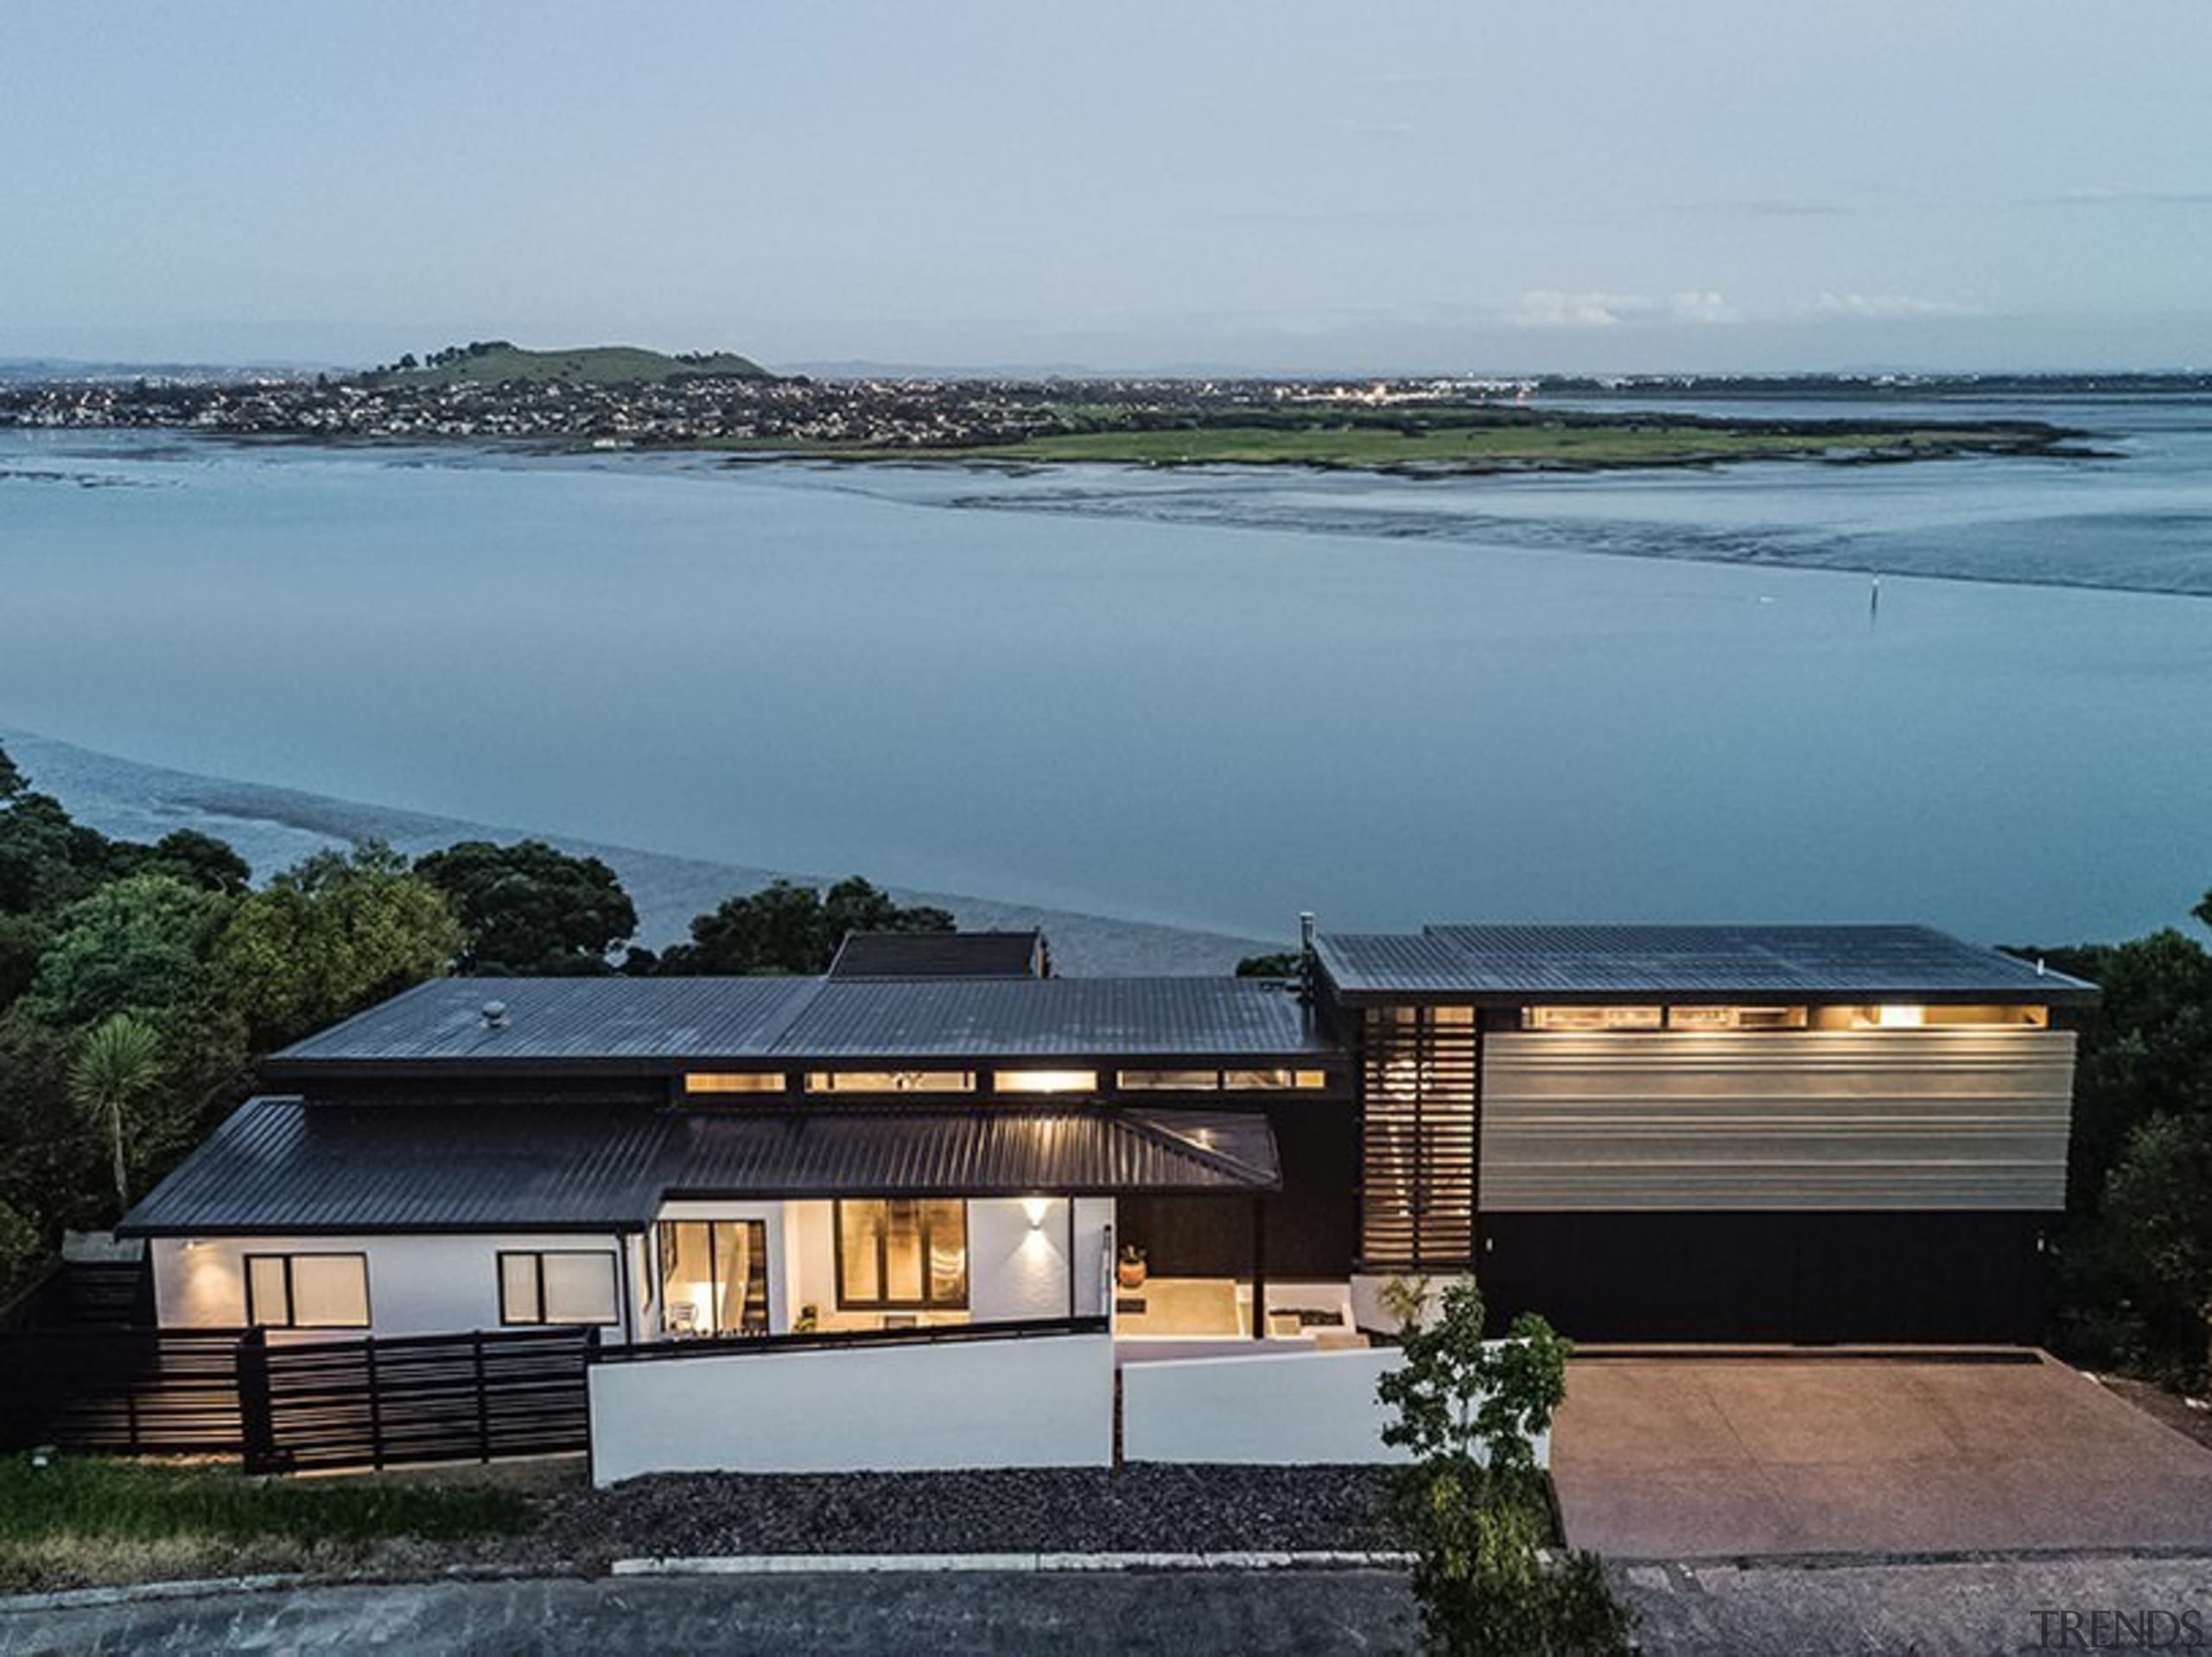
point(1036, 1208)
point(1047, 1081)
point(1899, 1016)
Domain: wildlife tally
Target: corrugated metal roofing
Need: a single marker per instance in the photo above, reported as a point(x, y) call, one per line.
point(566, 1018)
point(989, 1152)
point(280, 1166)
point(1048, 1018)
point(1555, 960)
point(939, 955)
point(587, 1019)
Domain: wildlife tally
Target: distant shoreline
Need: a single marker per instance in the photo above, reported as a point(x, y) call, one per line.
point(273, 827)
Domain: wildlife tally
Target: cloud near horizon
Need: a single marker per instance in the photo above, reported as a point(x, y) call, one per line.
point(1548, 309)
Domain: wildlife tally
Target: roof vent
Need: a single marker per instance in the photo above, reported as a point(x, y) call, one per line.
point(495, 1015)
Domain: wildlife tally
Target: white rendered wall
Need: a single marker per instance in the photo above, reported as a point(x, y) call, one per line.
point(437, 1284)
point(1016, 1270)
point(810, 1248)
point(1281, 1409)
point(1042, 1401)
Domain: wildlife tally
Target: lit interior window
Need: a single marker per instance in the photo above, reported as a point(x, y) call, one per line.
point(890, 1082)
point(1252, 1079)
point(1167, 1081)
point(1591, 1018)
point(1735, 1017)
point(1900, 1016)
point(1047, 1081)
point(734, 1081)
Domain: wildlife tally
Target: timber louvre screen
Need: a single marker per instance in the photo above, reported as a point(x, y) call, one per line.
point(1417, 1176)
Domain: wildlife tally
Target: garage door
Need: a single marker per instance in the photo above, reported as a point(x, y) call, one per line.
point(1815, 1278)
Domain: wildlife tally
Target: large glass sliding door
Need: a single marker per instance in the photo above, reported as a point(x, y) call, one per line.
point(902, 1256)
point(713, 1277)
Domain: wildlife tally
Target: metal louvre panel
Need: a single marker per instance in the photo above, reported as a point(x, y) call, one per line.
point(1835, 1120)
point(1418, 1147)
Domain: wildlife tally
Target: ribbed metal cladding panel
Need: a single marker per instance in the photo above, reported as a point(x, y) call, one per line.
point(1418, 1149)
point(1929, 1119)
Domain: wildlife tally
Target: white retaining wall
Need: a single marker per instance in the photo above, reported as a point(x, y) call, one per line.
point(1042, 1400)
point(1285, 1409)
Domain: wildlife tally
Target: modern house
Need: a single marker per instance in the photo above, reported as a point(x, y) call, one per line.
point(1646, 1132)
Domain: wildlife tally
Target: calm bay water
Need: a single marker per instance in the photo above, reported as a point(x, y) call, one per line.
point(1177, 697)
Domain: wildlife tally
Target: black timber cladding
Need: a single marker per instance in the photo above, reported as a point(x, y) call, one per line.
point(648, 1022)
point(281, 1165)
point(1510, 965)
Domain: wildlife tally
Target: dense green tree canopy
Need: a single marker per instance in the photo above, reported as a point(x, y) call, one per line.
point(46, 860)
point(530, 909)
point(141, 944)
point(788, 928)
point(197, 859)
point(338, 932)
point(2137, 1248)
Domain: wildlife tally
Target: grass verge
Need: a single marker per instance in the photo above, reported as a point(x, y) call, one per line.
point(76, 1522)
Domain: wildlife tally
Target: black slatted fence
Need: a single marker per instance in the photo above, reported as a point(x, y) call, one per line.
point(128, 1392)
point(411, 1400)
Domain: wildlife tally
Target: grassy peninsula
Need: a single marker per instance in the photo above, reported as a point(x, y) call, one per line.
point(1468, 441)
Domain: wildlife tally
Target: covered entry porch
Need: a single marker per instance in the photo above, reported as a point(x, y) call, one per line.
point(848, 1218)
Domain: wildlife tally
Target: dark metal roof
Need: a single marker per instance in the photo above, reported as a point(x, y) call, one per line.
point(986, 1018)
point(280, 1166)
point(940, 955)
point(1539, 963)
point(989, 1152)
point(547, 1021)
point(565, 1018)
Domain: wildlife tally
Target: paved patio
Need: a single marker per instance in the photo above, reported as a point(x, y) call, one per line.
point(1701, 1458)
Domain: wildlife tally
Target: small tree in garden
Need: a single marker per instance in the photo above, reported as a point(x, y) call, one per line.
point(1473, 1504)
point(117, 1068)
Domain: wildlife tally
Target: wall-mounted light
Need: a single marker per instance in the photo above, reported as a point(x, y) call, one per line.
point(1036, 1208)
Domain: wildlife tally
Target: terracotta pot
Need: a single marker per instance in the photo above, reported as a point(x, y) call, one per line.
point(1130, 1274)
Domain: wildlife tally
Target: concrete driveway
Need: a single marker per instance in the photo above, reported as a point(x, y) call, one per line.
point(1679, 1458)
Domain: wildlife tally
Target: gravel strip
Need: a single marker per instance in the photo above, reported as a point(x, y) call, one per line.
point(1139, 1509)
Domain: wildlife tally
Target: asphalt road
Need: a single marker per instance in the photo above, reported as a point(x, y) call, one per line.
point(957, 1612)
point(1929, 1608)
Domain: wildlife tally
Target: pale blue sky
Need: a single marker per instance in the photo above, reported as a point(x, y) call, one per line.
point(1712, 184)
